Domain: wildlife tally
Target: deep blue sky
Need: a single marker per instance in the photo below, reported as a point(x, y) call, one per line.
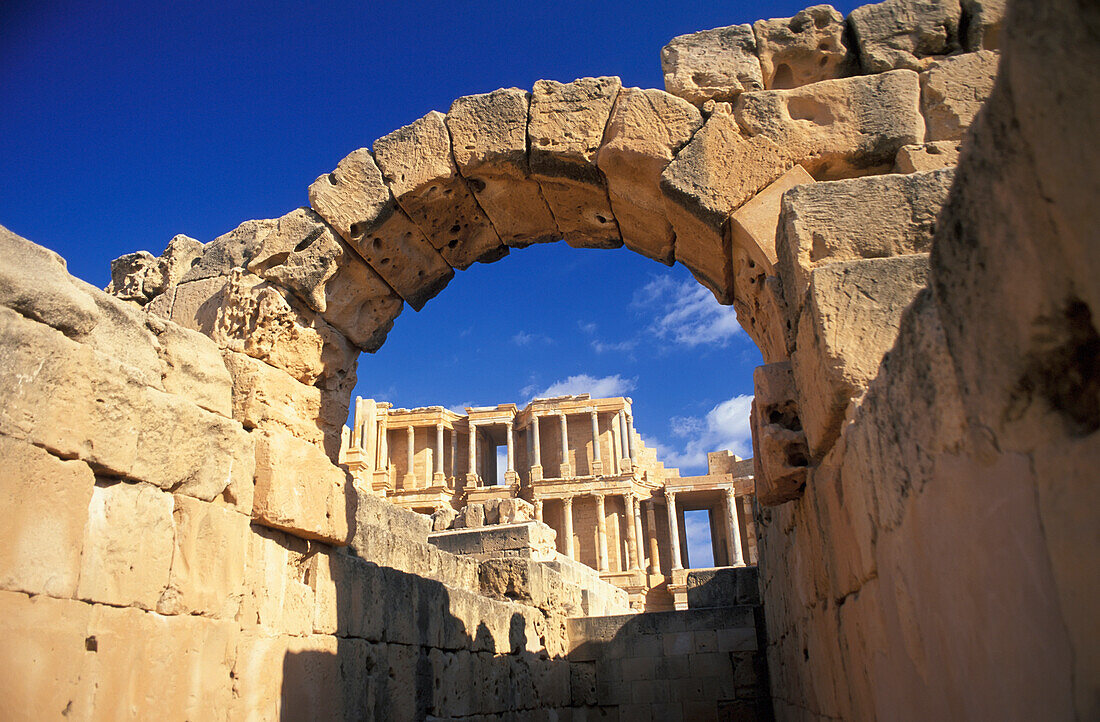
point(125, 123)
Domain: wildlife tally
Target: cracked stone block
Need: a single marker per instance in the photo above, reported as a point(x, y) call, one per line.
point(418, 166)
point(903, 33)
point(489, 139)
point(803, 49)
point(564, 134)
point(716, 64)
point(953, 90)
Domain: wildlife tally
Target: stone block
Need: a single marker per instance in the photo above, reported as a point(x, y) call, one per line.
point(838, 128)
point(43, 510)
point(532, 539)
point(850, 319)
point(306, 256)
point(780, 453)
point(803, 49)
point(872, 217)
point(230, 250)
point(714, 174)
point(195, 304)
point(902, 33)
point(299, 490)
point(645, 131)
point(136, 277)
point(417, 164)
point(564, 133)
point(927, 156)
point(83, 404)
point(276, 599)
point(489, 140)
point(265, 397)
point(192, 367)
point(128, 544)
point(983, 20)
point(754, 225)
point(953, 90)
point(716, 64)
point(208, 560)
point(355, 200)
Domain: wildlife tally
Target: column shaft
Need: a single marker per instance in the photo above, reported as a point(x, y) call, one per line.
point(567, 509)
point(616, 445)
point(411, 450)
point(630, 445)
point(439, 448)
point(631, 531)
point(473, 449)
point(454, 451)
point(511, 450)
point(595, 436)
point(538, 449)
point(654, 552)
point(638, 534)
point(564, 440)
point(673, 530)
point(538, 509)
point(601, 532)
point(734, 530)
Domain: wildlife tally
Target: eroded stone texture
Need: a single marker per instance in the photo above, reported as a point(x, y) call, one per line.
point(953, 91)
point(716, 64)
point(645, 131)
point(983, 20)
point(802, 49)
point(871, 217)
point(927, 156)
point(229, 251)
point(418, 166)
point(355, 200)
point(713, 175)
point(299, 490)
point(902, 33)
point(780, 455)
point(489, 140)
point(265, 397)
point(850, 319)
point(565, 130)
point(839, 128)
point(305, 255)
point(140, 277)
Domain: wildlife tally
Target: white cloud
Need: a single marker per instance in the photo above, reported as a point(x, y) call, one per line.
point(588, 327)
point(620, 347)
point(584, 384)
point(686, 313)
point(726, 426)
point(522, 338)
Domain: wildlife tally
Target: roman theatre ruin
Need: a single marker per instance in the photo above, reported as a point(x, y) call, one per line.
point(900, 204)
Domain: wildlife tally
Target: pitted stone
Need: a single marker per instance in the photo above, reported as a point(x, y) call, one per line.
point(839, 128)
point(716, 64)
point(645, 131)
point(417, 164)
point(953, 90)
point(802, 49)
point(565, 130)
point(780, 455)
point(230, 250)
point(355, 200)
point(903, 33)
point(927, 156)
point(489, 140)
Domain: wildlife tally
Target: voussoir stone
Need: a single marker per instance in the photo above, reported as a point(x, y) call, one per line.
point(780, 455)
point(230, 250)
point(306, 256)
point(838, 128)
point(802, 49)
point(716, 64)
point(489, 139)
point(355, 200)
point(953, 90)
point(903, 33)
point(417, 164)
point(565, 130)
point(849, 321)
point(711, 177)
point(871, 217)
point(646, 130)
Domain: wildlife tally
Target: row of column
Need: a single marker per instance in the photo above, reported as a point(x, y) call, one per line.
point(634, 531)
point(733, 529)
point(622, 434)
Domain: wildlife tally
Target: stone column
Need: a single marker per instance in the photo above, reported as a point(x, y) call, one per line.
point(630, 445)
point(471, 473)
point(597, 461)
point(673, 530)
point(734, 530)
point(654, 551)
point(566, 470)
point(638, 534)
point(510, 475)
point(538, 509)
point(631, 531)
point(454, 453)
point(536, 468)
point(383, 446)
point(438, 478)
point(616, 446)
point(567, 513)
point(625, 466)
point(601, 534)
point(409, 481)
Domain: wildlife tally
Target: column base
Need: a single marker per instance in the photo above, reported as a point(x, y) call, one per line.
point(597, 467)
point(408, 481)
point(511, 477)
point(471, 480)
point(626, 466)
point(439, 479)
point(536, 473)
point(566, 471)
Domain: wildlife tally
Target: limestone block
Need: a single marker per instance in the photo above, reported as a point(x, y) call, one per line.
point(927, 156)
point(128, 545)
point(713, 175)
point(195, 304)
point(137, 277)
point(850, 319)
point(645, 131)
point(753, 226)
point(298, 490)
point(394, 521)
point(181, 253)
point(901, 33)
point(34, 282)
point(265, 397)
point(983, 20)
point(839, 128)
point(305, 255)
point(870, 217)
point(208, 560)
point(355, 200)
point(564, 133)
point(231, 250)
point(713, 64)
point(489, 139)
point(417, 164)
point(780, 455)
point(43, 510)
point(275, 599)
point(78, 403)
point(192, 367)
point(443, 518)
point(46, 640)
point(953, 90)
point(803, 49)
